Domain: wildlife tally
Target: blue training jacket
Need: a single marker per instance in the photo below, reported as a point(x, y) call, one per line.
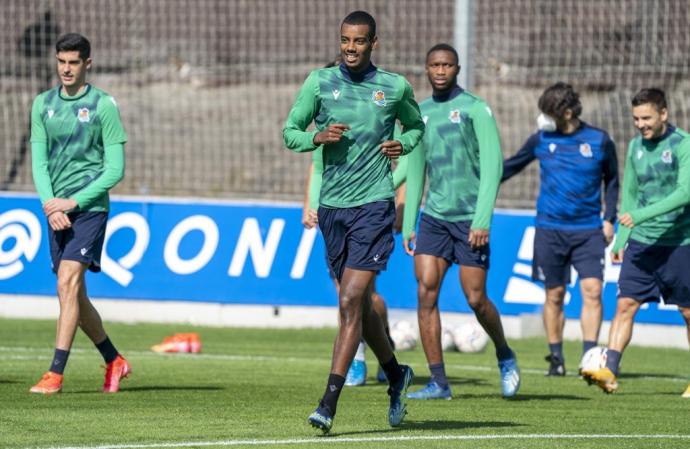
point(572, 168)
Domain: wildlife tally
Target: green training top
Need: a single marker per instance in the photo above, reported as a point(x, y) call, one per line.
point(461, 155)
point(355, 172)
point(76, 146)
point(656, 190)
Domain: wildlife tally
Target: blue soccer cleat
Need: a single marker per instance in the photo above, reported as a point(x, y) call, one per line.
point(321, 419)
point(432, 391)
point(398, 406)
point(510, 377)
point(381, 376)
point(357, 374)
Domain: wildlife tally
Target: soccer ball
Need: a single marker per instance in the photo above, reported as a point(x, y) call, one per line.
point(594, 359)
point(404, 336)
point(447, 339)
point(470, 337)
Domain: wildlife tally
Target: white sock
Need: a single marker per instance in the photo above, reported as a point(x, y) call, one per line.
point(360, 352)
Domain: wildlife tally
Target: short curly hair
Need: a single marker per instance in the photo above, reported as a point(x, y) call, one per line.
point(556, 99)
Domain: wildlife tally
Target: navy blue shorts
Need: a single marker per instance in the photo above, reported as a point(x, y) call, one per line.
point(359, 237)
point(555, 251)
point(448, 240)
point(82, 242)
point(651, 270)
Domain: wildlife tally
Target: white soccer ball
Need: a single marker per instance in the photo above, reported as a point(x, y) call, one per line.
point(594, 359)
point(470, 337)
point(447, 340)
point(404, 335)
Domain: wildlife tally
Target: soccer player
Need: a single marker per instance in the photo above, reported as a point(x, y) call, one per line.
point(574, 159)
point(77, 147)
point(653, 240)
point(357, 373)
point(355, 107)
point(461, 155)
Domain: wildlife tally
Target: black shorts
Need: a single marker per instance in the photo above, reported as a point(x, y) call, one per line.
point(652, 270)
point(83, 242)
point(555, 251)
point(359, 237)
point(448, 240)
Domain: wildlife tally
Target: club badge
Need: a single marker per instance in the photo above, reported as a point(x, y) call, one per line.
point(454, 116)
point(83, 115)
point(379, 98)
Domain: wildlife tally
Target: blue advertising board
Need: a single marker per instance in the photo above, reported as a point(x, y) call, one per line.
point(259, 253)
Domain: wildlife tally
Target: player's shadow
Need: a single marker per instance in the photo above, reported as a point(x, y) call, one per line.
point(157, 388)
point(460, 381)
point(647, 375)
point(436, 425)
point(522, 397)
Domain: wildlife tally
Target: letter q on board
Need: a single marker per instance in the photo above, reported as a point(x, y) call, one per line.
point(22, 226)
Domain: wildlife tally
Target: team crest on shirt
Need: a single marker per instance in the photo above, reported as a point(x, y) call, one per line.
point(336, 94)
point(639, 154)
point(425, 119)
point(667, 157)
point(552, 147)
point(585, 150)
point(454, 116)
point(83, 115)
point(50, 113)
point(379, 98)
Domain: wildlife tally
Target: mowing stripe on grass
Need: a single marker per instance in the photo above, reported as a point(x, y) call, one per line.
point(335, 439)
point(274, 359)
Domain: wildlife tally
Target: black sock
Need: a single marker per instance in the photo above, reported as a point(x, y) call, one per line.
point(59, 361)
point(504, 353)
point(556, 350)
point(107, 350)
point(613, 360)
point(438, 374)
point(587, 345)
point(392, 370)
point(390, 340)
point(333, 389)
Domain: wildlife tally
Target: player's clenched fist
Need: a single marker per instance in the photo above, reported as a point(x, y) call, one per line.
point(332, 134)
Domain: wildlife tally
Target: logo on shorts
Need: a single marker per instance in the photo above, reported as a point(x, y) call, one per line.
point(586, 150)
point(83, 251)
point(83, 115)
point(377, 257)
point(552, 147)
point(336, 94)
point(454, 116)
point(379, 98)
point(667, 157)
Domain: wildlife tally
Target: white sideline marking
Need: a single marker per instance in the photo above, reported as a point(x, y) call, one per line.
point(335, 439)
point(271, 358)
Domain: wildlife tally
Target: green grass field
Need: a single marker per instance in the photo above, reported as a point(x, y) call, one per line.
point(253, 387)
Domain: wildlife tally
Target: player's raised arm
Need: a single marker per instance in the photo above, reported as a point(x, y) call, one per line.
point(301, 115)
point(516, 163)
point(411, 120)
point(678, 198)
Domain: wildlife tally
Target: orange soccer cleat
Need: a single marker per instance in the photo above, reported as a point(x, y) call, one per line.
point(116, 370)
point(50, 383)
point(193, 340)
point(176, 343)
point(603, 378)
